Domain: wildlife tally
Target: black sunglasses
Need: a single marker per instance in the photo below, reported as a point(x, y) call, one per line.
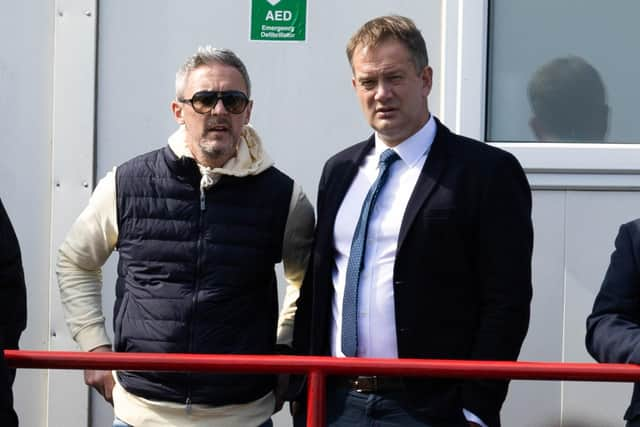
point(203, 102)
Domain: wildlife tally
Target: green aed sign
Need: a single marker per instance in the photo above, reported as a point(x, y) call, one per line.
point(278, 20)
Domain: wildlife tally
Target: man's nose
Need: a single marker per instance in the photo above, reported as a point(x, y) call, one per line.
point(219, 107)
point(383, 91)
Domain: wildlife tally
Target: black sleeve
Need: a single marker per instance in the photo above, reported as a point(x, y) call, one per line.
point(504, 245)
point(13, 308)
point(302, 333)
point(613, 327)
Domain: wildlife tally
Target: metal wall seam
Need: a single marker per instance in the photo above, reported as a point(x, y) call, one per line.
point(72, 157)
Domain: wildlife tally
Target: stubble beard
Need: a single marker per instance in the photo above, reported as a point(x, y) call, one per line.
point(216, 153)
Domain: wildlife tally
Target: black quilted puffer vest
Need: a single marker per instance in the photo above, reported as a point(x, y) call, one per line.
point(197, 276)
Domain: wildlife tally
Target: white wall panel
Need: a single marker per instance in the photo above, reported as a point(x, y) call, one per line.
point(544, 339)
point(26, 54)
point(305, 108)
point(72, 159)
point(593, 219)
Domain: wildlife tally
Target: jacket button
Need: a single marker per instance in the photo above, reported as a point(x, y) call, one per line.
point(399, 282)
point(404, 330)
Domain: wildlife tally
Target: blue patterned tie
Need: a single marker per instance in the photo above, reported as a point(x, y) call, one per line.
point(356, 256)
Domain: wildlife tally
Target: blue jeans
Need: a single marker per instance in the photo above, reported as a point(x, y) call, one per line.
point(119, 423)
point(346, 408)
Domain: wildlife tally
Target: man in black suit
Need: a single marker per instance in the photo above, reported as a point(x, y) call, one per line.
point(13, 312)
point(446, 273)
point(613, 327)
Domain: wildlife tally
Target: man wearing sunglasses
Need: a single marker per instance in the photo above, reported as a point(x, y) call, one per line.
point(199, 225)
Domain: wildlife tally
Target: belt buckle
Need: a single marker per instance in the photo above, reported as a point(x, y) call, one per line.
point(365, 384)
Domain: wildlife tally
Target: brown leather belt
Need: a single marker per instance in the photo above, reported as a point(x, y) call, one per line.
point(371, 384)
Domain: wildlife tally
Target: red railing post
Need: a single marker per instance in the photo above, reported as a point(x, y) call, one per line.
point(316, 405)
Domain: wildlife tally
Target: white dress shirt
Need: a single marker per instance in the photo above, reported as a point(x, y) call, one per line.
point(376, 312)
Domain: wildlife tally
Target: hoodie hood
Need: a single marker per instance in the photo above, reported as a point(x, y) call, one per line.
point(250, 158)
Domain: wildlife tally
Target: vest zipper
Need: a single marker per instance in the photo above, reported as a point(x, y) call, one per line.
point(194, 299)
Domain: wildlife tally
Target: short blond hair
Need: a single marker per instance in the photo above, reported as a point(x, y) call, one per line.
point(394, 27)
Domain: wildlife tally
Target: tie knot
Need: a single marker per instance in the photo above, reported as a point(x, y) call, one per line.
point(387, 157)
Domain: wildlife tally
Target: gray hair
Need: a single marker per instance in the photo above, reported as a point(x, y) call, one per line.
point(209, 55)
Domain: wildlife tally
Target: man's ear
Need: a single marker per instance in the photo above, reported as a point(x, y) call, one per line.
point(177, 109)
point(536, 128)
point(427, 80)
point(247, 113)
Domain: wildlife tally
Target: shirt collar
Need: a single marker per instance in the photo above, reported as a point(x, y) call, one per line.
point(413, 148)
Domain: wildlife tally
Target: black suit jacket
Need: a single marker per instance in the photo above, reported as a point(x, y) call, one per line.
point(462, 274)
point(13, 311)
point(613, 328)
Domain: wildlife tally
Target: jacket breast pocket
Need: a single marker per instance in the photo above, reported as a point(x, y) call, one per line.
point(439, 214)
point(441, 240)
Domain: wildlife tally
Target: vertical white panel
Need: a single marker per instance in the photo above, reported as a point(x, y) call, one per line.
point(449, 63)
point(544, 339)
point(593, 219)
point(463, 58)
point(72, 170)
point(26, 55)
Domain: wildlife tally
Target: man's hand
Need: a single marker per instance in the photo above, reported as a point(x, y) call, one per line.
point(281, 390)
point(473, 424)
point(102, 381)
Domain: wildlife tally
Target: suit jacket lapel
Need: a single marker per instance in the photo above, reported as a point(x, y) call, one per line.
point(341, 178)
point(427, 181)
point(338, 179)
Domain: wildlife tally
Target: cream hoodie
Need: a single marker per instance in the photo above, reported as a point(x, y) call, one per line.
point(91, 241)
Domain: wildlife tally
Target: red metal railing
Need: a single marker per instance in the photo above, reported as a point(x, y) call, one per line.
point(319, 367)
